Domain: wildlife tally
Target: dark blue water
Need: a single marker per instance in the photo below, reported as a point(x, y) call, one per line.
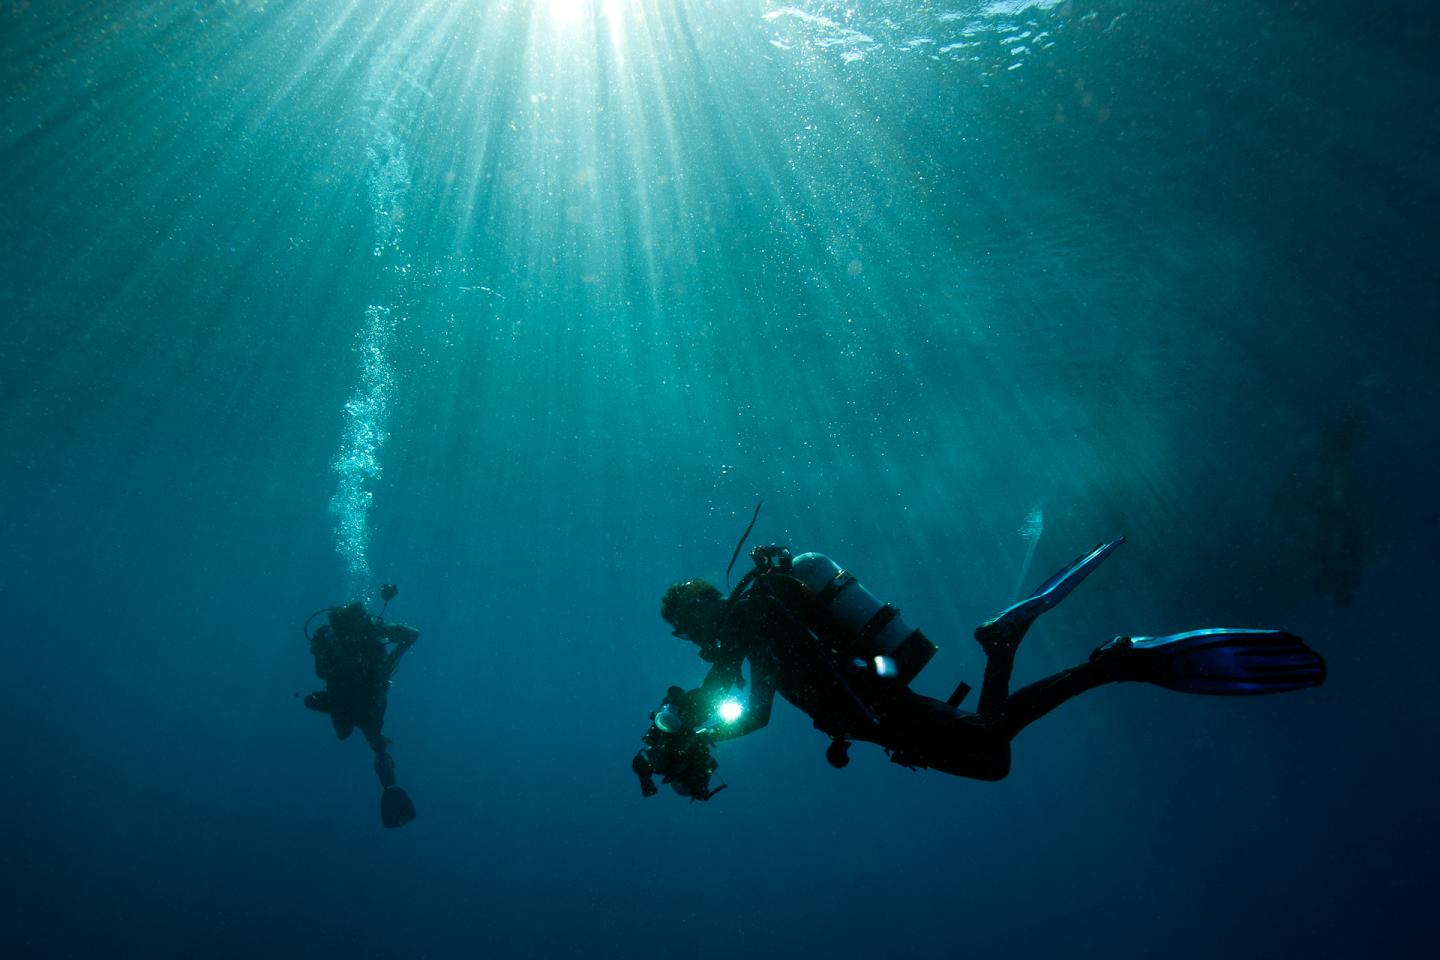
point(524, 305)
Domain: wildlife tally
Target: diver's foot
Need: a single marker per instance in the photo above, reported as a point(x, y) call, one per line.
point(1003, 634)
point(1115, 655)
point(1110, 648)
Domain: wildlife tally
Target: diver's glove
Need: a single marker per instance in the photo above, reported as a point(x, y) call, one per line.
point(641, 765)
point(400, 634)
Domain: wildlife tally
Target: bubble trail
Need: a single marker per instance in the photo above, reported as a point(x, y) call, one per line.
point(358, 464)
point(1030, 531)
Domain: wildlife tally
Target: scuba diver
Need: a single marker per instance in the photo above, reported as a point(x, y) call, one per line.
point(674, 751)
point(813, 633)
point(351, 656)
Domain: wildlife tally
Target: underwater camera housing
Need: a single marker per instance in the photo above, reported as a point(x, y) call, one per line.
point(676, 753)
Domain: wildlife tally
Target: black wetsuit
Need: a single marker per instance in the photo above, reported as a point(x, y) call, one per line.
point(851, 703)
point(351, 657)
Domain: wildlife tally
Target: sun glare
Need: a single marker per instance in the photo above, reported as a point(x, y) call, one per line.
point(565, 13)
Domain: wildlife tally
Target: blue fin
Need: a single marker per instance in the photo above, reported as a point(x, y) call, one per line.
point(1011, 623)
point(1220, 662)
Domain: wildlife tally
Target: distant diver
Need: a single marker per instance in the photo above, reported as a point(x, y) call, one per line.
point(812, 632)
point(356, 654)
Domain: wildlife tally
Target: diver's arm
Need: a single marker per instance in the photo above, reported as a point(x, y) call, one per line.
point(722, 676)
point(756, 713)
point(643, 769)
point(758, 704)
point(403, 637)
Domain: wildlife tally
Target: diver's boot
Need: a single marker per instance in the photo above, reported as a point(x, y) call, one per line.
point(385, 769)
point(396, 807)
point(1003, 632)
point(1112, 656)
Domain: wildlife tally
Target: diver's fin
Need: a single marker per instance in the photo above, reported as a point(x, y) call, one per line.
point(1218, 662)
point(1010, 624)
point(396, 808)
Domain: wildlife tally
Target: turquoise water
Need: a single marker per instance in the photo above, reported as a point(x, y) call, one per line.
point(525, 305)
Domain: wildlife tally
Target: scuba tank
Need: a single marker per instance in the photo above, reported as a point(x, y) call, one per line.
point(843, 610)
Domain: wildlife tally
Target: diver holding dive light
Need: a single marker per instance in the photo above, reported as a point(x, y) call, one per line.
point(351, 656)
point(812, 632)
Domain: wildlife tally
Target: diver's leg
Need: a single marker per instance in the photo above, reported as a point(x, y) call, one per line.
point(343, 725)
point(995, 688)
point(1000, 636)
point(371, 726)
point(920, 731)
point(372, 722)
point(396, 807)
point(385, 769)
point(1030, 703)
point(1000, 639)
point(377, 740)
point(384, 763)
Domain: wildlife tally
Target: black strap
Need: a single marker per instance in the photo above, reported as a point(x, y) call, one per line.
point(312, 616)
point(961, 692)
point(743, 537)
point(831, 590)
point(879, 622)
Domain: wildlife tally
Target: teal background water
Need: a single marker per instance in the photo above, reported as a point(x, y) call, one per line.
point(524, 305)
